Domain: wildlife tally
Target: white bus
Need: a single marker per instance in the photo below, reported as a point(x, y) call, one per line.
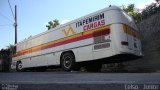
point(108, 35)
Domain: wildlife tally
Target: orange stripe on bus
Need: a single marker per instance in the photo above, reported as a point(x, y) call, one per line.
point(63, 41)
point(130, 31)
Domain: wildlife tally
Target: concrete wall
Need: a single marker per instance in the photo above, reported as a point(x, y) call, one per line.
point(150, 31)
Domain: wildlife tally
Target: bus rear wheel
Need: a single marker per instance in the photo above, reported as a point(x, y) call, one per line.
point(19, 66)
point(68, 62)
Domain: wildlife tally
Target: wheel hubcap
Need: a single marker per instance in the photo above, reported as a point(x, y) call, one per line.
point(67, 62)
point(20, 66)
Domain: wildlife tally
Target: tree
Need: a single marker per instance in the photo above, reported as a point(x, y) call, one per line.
point(151, 10)
point(132, 11)
point(52, 24)
point(11, 48)
point(5, 56)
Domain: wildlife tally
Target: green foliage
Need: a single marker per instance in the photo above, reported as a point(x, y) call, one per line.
point(52, 24)
point(11, 48)
point(132, 11)
point(147, 12)
point(5, 56)
point(130, 8)
point(150, 10)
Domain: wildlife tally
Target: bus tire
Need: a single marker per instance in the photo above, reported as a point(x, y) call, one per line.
point(19, 66)
point(68, 61)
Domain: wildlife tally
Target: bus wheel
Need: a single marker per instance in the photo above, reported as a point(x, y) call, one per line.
point(19, 66)
point(93, 67)
point(68, 61)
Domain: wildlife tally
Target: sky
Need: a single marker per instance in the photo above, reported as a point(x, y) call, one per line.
point(33, 15)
